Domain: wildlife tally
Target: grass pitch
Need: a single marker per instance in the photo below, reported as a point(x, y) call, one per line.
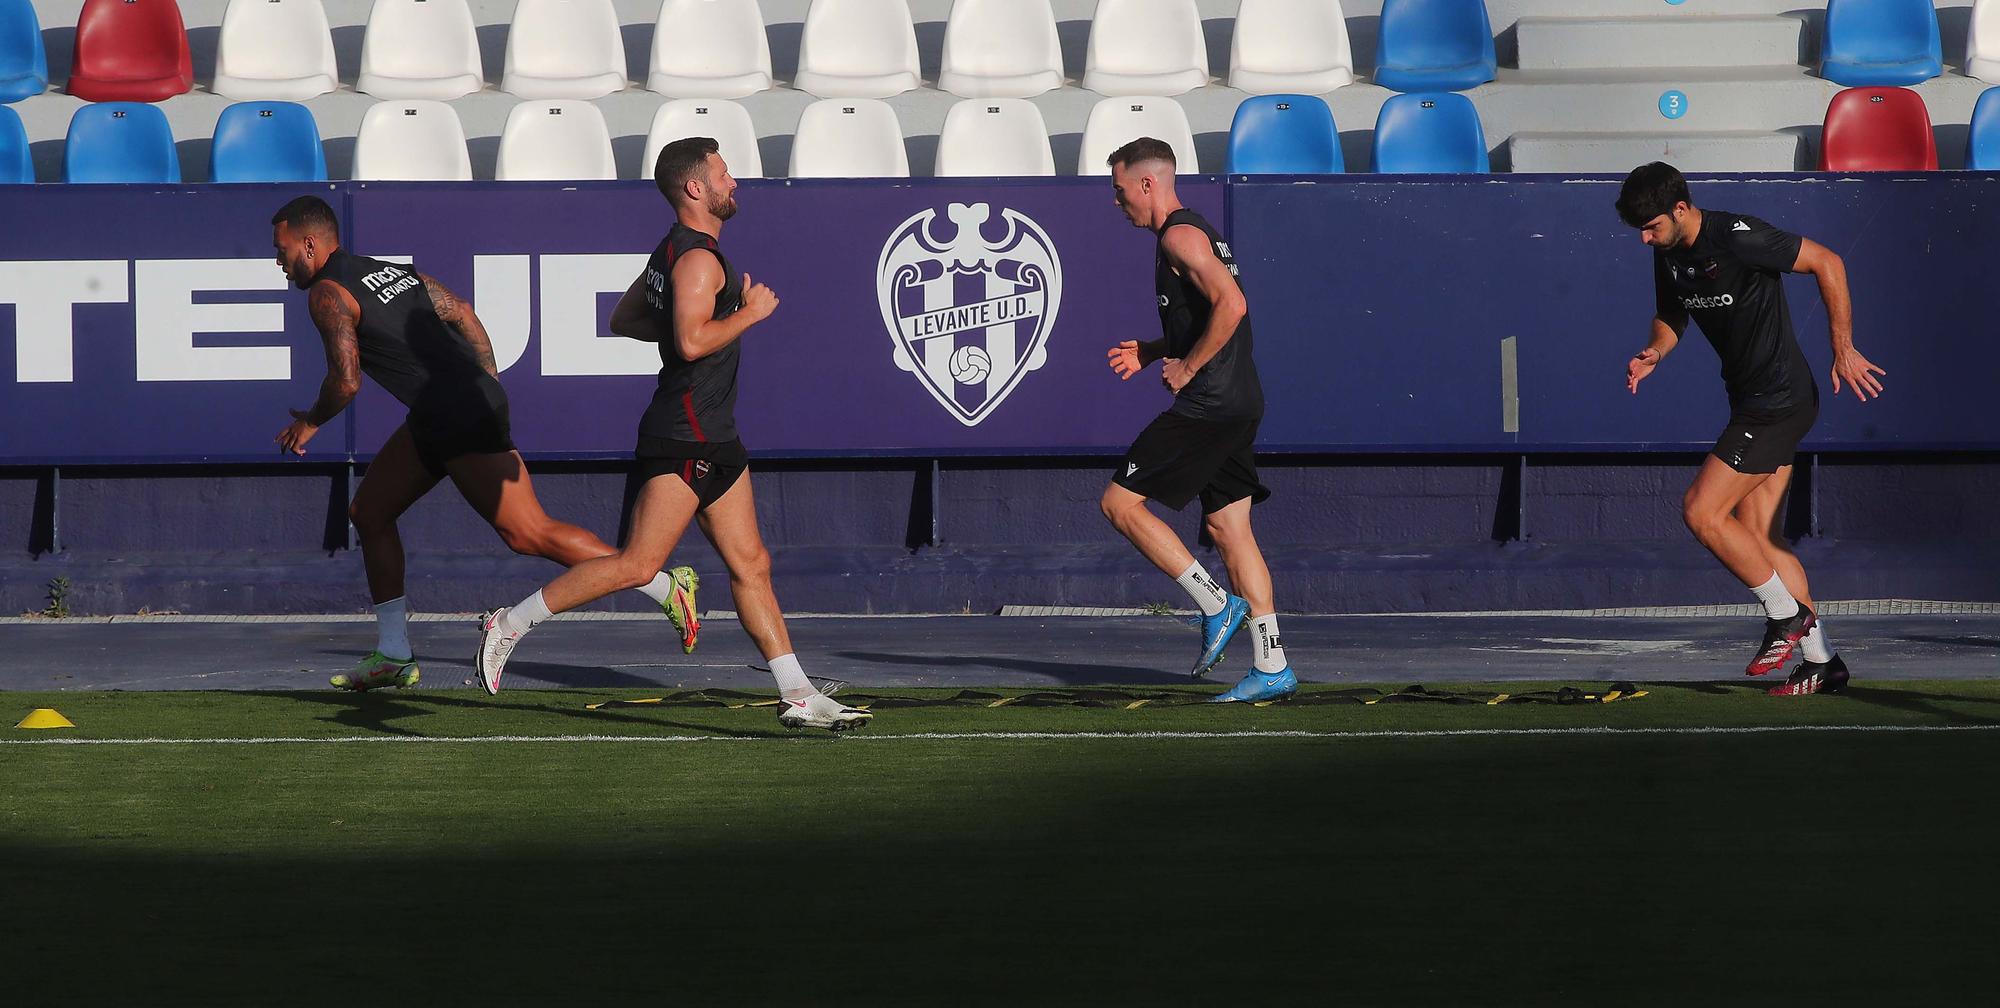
point(1494, 854)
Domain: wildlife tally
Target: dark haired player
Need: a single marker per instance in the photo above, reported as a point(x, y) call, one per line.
point(424, 346)
point(690, 462)
point(1725, 271)
point(1201, 446)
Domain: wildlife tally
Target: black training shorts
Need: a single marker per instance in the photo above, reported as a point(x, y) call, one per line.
point(479, 429)
point(709, 468)
point(1178, 458)
point(1755, 443)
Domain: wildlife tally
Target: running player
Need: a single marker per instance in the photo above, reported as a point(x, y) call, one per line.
point(691, 464)
point(425, 347)
point(1725, 271)
point(1201, 446)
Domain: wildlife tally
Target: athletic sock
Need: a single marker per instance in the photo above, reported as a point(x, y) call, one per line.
point(1818, 648)
point(660, 588)
point(1207, 595)
point(1778, 602)
point(792, 681)
point(1270, 652)
point(523, 617)
point(392, 628)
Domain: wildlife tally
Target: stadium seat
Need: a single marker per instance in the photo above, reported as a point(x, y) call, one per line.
point(278, 50)
point(710, 49)
point(1880, 43)
point(564, 49)
point(1877, 129)
point(555, 139)
point(1434, 45)
point(1001, 49)
point(1435, 133)
point(858, 49)
point(416, 49)
point(726, 122)
point(17, 166)
point(120, 142)
point(994, 137)
point(418, 140)
point(1982, 42)
point(130, 50)
point(270, 141)
point(1284, 135)
point(24, 64)
point(1982, 141)
point(849, 138)
point(1145, 47)
point(1290, 47)
point(1115, 122)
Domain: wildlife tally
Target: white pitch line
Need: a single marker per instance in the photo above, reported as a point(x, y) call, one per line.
point(1027, 736)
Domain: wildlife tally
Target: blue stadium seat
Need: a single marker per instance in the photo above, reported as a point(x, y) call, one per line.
point(1982, 144)
point(15, 165)
point(120, 142)
point(1434, 45)
point(24, 66)
point(268, 141)
point(1430, 133)
point(1284, 135)
point(1880, 43)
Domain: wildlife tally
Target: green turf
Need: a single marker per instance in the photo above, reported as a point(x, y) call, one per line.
point(1785, 868)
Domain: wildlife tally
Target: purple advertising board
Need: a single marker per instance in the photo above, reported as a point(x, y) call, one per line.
point(928, 317)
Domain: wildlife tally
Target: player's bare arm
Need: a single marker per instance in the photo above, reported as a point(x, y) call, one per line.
point(460, 317)
point(1130, 357)
point(335, 314)
point(1666, 335)
point(1188, 250)
point(631, 319)
point(1848, 364)
point(697, 281)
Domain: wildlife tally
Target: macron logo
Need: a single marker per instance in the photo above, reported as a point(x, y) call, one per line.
point(1131, 467)
point(1741, 226)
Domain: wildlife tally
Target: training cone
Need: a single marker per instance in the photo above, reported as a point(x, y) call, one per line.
point(45, 717)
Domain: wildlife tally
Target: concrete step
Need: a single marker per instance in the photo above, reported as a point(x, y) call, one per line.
point(1728, 151)
point(1590, 43)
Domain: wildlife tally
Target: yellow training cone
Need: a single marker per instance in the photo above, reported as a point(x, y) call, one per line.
point(45, 717)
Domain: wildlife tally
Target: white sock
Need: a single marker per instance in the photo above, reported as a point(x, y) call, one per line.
point(1270, 652)
point(523, 617)
point(1207, 595)
point(1778, 602)
point(392, 628)
point(792, 681)
point(1818, 649)
point(659, 588)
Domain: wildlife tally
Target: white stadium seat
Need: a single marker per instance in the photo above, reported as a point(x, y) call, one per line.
point(1982, 42)
point(994, 137)
point(411, 140)
point(558, 139)
point(1115, 122)
point(1145, 47)
point(1290, 47)
point(858, 49)
point(274, 50)
point(723, 120)
point(709, 49)
point(1001, 49)
point(420, 49)
point(849, 138)
point(564, 49)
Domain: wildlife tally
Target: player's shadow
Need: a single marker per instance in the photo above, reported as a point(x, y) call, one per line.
point(1925, 703)
point(563, 676)
point(1983, 643)
point(374, 711)
point(1074, 675)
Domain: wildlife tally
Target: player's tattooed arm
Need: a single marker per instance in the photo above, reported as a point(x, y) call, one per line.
point(460, 316)
point(336, 315)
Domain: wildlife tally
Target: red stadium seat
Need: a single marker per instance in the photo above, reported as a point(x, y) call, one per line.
point(1877, 129)
point(130, 50)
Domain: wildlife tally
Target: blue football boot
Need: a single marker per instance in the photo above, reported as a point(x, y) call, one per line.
point(1216, 631)
point(1257, 687)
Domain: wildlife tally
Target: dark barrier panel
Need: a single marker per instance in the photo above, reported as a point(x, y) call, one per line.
point(945, 317)
point(1382, 309)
